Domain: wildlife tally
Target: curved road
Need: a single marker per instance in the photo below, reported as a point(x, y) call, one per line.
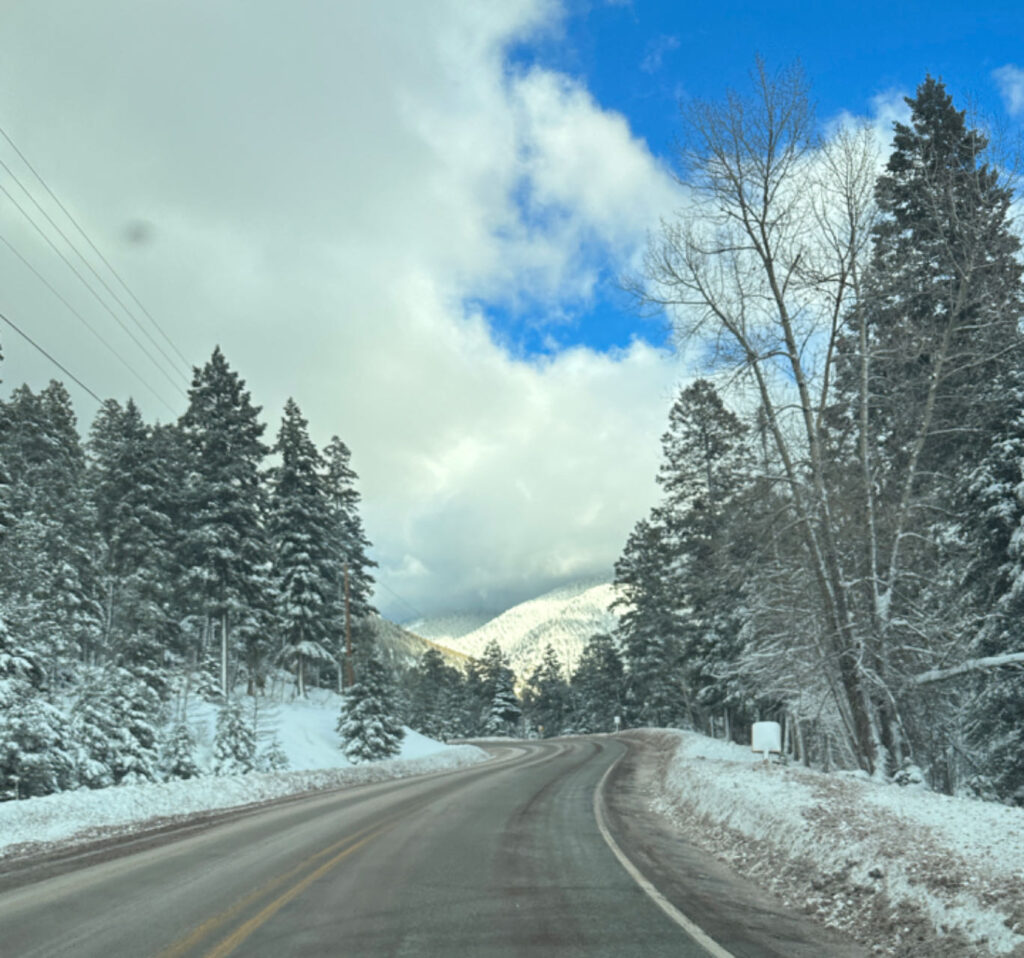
point(503, 859)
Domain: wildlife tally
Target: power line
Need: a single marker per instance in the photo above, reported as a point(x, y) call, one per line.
point(407, 604)
point(124, 362)
point(89, 266)
point(67, 372)
point(89, 287)
point(94, 248)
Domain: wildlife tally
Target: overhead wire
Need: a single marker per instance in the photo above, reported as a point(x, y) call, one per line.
point(90, 288)
point(64, 369)
point(24, 159)
point(124, 362)
point(408, 605)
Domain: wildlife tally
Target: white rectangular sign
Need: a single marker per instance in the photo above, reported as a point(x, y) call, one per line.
point(766, 737)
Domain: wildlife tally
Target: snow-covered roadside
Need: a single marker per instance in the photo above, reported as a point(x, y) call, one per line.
point(86, 814)
point(906, 871)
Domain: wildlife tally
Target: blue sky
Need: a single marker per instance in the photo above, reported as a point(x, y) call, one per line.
point(643, 58)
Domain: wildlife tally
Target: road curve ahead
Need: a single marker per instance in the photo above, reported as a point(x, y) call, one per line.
point(504, 859)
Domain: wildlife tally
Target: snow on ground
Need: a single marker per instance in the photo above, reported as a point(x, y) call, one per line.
point(304, 728)
point(906, 871)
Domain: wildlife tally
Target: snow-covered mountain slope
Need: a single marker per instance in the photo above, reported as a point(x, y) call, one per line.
point(565, 618)
point(444, 628)
point(405, 648)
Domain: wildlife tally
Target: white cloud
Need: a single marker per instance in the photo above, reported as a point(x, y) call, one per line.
point(1010, 80)
point(328, 188)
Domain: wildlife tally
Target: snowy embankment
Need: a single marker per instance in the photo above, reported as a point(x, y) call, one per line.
point(906, 871)
point(305, 730)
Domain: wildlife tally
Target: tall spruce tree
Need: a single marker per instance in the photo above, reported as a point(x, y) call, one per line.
point(650, 627)
point(224, 546)
point(546, 697)
point(135, 521)
point(352, 576)
point(305, 568)
point(501, 707)
point(597, 686)
point(703, 467)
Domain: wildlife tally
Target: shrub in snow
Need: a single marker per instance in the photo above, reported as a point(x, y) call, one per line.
point(273, 758)
point(368, 730)
point(234, 746)
point(37, 753)
point(909, 775)
point(114, 723)
point(178, 757)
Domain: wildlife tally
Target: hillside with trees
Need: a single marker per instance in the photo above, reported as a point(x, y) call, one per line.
point(840, 550)
point(152, 563)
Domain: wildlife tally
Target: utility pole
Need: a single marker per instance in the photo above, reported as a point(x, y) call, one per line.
point(349, 676)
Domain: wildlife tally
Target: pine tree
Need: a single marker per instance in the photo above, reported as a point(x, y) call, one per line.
point(501, 708)
point(224, 547)
point(368, 730)
point(234, 745)
point(303, 563)
point(37, 754)
point(944, 296)
point(353, 580)
point(649, 628)
point(178, 757)
point(46, 568)
point(273, 758)
point(597, 686)
point(135, 528)
point(703, 469)
point(546, 699)
point(433, 697)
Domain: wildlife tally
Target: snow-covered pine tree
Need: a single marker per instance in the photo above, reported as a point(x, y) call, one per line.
point(649, 629)
point(993, 529)
point(501, 708)
point(46, 569)
point(366, 725)
point(597, 686)
point(546, 698)
point(273, 758)
point(349, 546)
point(115, 721)
point(224, 547)
point(178, 756)
point(37, 752)
point(302, 559)
point(433, 688)
point(136, 531)
point(703, 467)
point(234, 745)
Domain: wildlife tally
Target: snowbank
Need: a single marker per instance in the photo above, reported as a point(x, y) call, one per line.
point(80, 814)
point(304, 729)
point(904, 870)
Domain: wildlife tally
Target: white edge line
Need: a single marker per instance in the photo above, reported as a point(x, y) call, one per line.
point(693, 930)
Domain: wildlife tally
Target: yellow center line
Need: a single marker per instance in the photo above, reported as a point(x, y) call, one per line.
point(184, 945)
point(233, 940)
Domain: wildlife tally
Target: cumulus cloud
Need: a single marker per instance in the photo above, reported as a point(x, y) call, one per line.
point(1010, 80)
point(327, 190)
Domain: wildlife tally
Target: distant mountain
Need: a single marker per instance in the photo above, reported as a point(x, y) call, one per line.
point(565, 618)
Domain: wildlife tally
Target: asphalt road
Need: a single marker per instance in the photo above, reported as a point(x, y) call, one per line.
point(504, 859)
